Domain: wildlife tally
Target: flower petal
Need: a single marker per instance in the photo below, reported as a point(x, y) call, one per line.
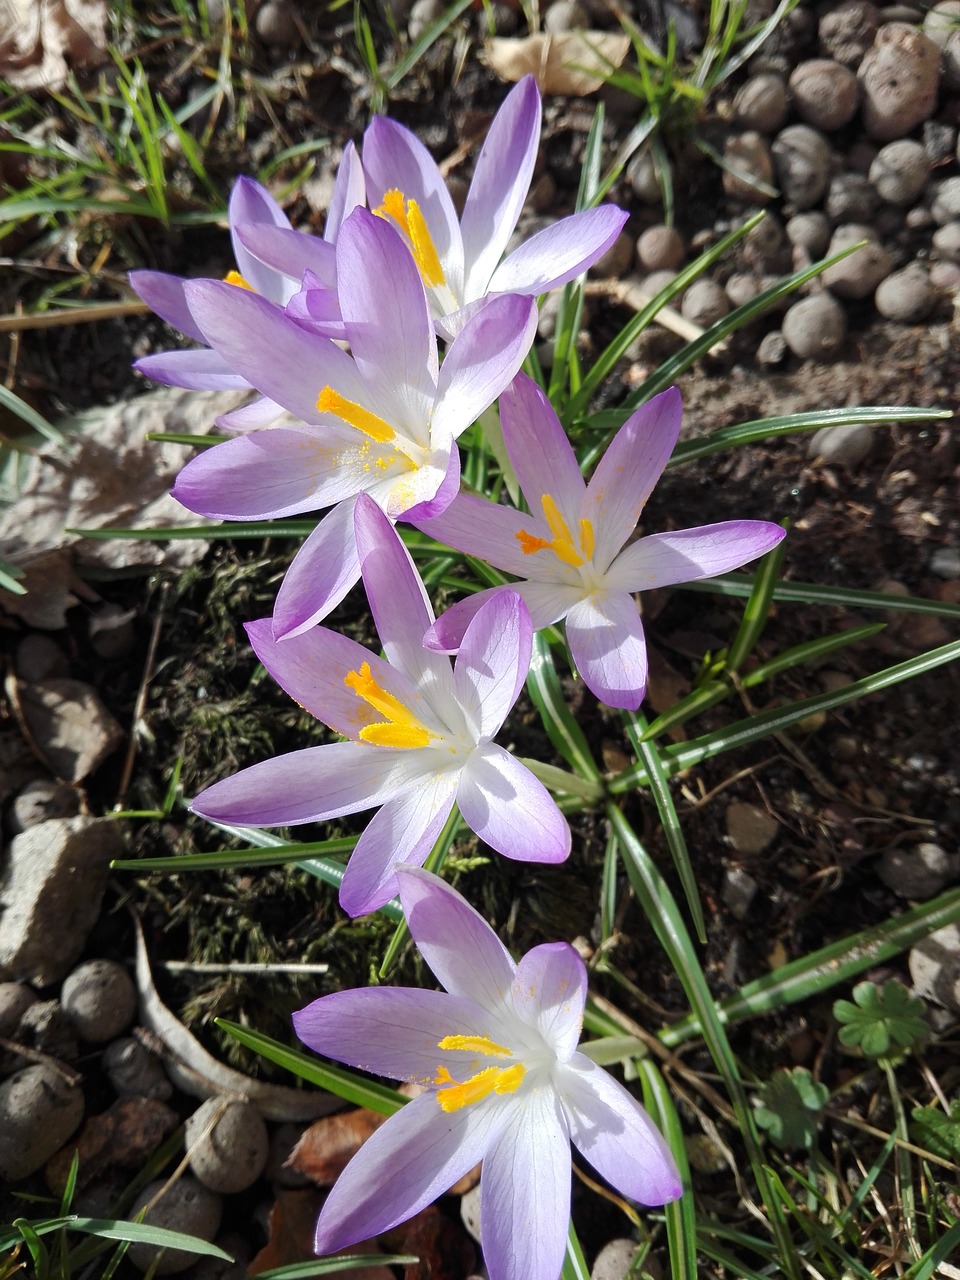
point(263, 475)
point(549, 992)
point(464, 953)
point(611, 1130)
point(405, 1165)
point(540, 452)
point(510, 809)
point(390, 1031)
point(200, 370)
point(252, 203)
point(493, 662)
point(559, 253)
point(320, 574)
point(606, 642)
point(446, 634)
point(403, 832)
point(687, 554)
point(387, 319)
point(548, 601)
point(310, 785)
point(163, 294)
point(449, 487)
point(394, 159)
point(253, 416)
point(525, 1191)
point(481, 528)
point(627, 472)
point(290, 253)
point(271, 351)
point(501, 180)
point(349, 191)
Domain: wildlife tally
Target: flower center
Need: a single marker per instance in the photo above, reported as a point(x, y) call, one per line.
point(406, 214)
point(235, 278)
point(401, 727)
point(330, 401)
point(561, 544)
point(454, 1094)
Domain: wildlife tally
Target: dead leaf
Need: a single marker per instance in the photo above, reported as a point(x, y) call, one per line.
point(442, 1247)
point(41, 40)
point(329, 1145)
point(124, 1135)
point(573, 62)
point(293, 1222)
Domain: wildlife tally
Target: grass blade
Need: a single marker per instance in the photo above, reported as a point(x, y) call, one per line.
point(563, 731)
point(680, 1216)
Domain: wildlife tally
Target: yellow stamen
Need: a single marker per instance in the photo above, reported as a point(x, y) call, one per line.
point(562, 544)
point(408, 217)
point(234, 277)
point(475, 1044)
point(401, 727)
point(330, 401)
point(453, 1095)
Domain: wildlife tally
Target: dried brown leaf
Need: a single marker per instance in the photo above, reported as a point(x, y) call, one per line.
point(329, 1145)
point(573, 62)
point(41, 40)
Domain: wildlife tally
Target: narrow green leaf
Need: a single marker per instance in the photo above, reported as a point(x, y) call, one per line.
point(342, 1262)
point(680, 1216)
point(9, 573)
point(212, 532)
point(741, 584)
point(757, 609)
point(423, 43)
point(26, 412)
point(574, 1263)
point(234, 859)
point(566, 735)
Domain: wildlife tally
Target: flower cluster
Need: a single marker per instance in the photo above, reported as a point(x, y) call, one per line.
point(357, 415)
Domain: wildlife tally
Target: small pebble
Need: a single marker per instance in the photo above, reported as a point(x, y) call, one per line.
point(230, 1156)
point(15, 999)
point(815, 328)
point(945, 563)
point(42, 799)
point(847, 31)
point(750, 829)
point(950, 63)
point(906, 295)
point(743, 287)
point(617, 260)
point(184, 1206)
point(946, 201)
point(842, 446)
point(946, 241)
point(424, 14)
point(565, 15)
point(859, 273)
point(772, 349)
point(470, 1212)
point(810, 231)
point(945, 276)
point(44, 1026)
point(919, 873)
point(764, 245)
point(825, 93)
point(99, 999)
point(939, 140)
point(704, 303)
point(641, 173)
point(660, 248)
point(39, 1110)
point(738, 891)
point(762, 103)
point(276, 24)
point(899, 77)
point(614, 1260)
point(748, 167)
point(134, 1071)
point(900, 171)
point(801, 157)
point(942, 21)
point(935, 967)
point(851, 197)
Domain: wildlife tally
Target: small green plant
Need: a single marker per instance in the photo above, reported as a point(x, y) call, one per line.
point(788, 1106)
point(881, 1021)
point(938, 1131)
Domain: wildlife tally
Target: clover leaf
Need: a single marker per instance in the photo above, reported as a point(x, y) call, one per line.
point(881, 1020)
point(788, 1105)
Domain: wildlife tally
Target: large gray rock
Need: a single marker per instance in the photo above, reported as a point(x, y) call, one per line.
point(71, 726)
point(39, 1110)
point(52, 884)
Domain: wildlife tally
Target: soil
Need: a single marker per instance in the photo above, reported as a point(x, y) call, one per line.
point(878, 774)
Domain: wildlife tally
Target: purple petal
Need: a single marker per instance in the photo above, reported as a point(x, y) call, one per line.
point(493, 662)
point(548, 601)
point(252, 203)
point(390, 1031)
point(263, 475)
point(480, 363)
point(349, 192)
point(549, 992)
point(687, 554)
point(559, 253)
point(525, 1191)
point(164, 294)
point(386, 313)
point(501, 180)
point(200, 370)
point(312, 785)
point(480, 528)
point(446, 634)
point(510, 809)
point(259, 413)
point(540, 452)
point(610, 1128)
point(320, 574)
point(411, 1160)
point(394, 159)
point(316, 309)
point(398, 601)
point(449, 487)
point(627, 472)
point(272, 352)
point(402, 833)
point(606, 642)
point(464, 953)
point(290, 252)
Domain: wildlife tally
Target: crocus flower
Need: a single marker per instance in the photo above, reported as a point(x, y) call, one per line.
point(460, 260)
point(383, 420)
point(419, 732)
point(571, 551)
point(255, 220)
point(497, 1054)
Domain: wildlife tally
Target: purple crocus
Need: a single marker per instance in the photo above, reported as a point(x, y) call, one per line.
point(571, 552)
point(460, 260)
point(383, 420)
point(420, 732)
point(497, 1053)
point(257, 224)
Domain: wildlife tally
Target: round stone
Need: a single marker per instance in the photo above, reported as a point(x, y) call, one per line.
point(704, 303)
point(918, 873)
point(228, 1144)
point(762, 103)
point(42, 799)
point(843, 446)
point(906, 295)
point(815, 328)
point(946, 241)
point(185, 1206)
point(946, 201)
point(850, 198)
point(39, 1110)
point(99, 999)
point(899, 79)
point(810, 231)
point(15, 999)
point(644, 180)
point(900, 171)
point(935, 967)
point(660, 248)
point(565, 15)
point(847, 30)
point(134, 1071)
point(748, 167)
point(276, 24)
point(942, 21)
point(801, 157)
point(825, 93)
point(858, 274)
